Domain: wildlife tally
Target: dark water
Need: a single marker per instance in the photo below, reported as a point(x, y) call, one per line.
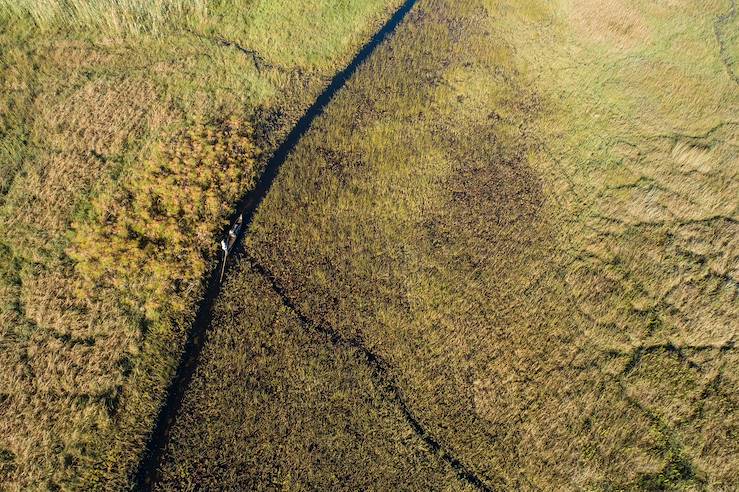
point(147, 473)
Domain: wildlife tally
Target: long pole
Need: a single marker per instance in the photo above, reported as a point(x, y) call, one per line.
point(223, 265)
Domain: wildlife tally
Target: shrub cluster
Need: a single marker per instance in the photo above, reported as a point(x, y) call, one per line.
point(146, 239)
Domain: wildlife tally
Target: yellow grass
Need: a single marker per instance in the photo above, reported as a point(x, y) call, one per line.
point(527, 209)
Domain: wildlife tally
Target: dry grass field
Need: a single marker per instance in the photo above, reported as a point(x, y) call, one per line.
point(526, 211)
point(127, 131)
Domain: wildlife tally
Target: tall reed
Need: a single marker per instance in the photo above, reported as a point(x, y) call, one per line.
point(118, 17)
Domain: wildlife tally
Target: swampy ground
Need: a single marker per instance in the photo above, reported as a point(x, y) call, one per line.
point(526, 212)
point(504, 257)
point(127, 132)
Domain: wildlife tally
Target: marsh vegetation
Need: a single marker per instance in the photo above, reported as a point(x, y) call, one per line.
point(504, 257)
point(127, 132)
point(527, 211)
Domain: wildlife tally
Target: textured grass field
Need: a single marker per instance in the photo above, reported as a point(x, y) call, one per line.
point(292, 410)
point(505, 256)
point(127, 131)
point(527, 210)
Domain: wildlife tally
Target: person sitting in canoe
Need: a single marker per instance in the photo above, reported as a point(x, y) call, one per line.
point(233, 234)
point(227, 244)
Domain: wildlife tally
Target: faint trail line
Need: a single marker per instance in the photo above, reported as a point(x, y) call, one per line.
point(718, 26)
point(147, 473)
point(380, 372)
point(257, 59)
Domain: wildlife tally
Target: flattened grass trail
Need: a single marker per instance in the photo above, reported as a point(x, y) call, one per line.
point(148, 469)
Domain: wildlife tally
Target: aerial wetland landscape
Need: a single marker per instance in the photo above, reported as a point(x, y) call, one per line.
point(369, 245)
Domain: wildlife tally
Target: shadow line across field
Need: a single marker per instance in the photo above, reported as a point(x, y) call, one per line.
point(148, 471)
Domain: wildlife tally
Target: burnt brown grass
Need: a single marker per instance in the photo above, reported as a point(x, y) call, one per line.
point(528, 210)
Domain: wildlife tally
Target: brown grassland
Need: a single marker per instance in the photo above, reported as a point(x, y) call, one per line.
point(527, 211)
point(128, 129)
